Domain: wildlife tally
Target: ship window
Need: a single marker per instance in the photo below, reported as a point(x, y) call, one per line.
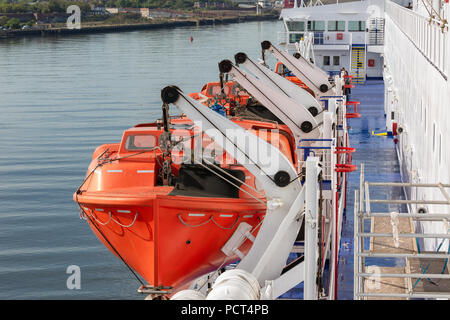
point(336, 25)
point(434, 134)
point(295, 37)
point(316, 25)
point(142, 141)
point(326, 60)
point(356, 26)
point(295, 25)
point(425, 118)
point(336, 60)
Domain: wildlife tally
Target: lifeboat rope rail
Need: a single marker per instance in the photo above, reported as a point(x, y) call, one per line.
point(226, 228)
point(96, 219)
point(191, 225)
point(112, 218)
point(211, 218)
point(122, 225)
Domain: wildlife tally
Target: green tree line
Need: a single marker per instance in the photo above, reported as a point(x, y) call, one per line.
point(24, 6)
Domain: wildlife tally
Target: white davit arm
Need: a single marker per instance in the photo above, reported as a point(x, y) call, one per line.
point(266, 162)
point(314, 77)
point(298, 94)
point(293, 114)
point(277, 177)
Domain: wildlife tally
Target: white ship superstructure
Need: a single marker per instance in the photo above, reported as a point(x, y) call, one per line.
point(349, 35)
point(407, 44)
point(417, 97)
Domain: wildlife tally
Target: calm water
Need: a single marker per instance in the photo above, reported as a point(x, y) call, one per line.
point(59, 99)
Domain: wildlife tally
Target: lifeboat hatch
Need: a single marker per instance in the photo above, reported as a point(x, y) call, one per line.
point(206, 181)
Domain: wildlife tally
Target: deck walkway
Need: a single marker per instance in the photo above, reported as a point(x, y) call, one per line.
point(388, 245)
point(378, 153)
point(381, 165)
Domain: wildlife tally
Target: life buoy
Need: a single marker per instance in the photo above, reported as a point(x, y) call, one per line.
point(346, 168)
point(352, 115)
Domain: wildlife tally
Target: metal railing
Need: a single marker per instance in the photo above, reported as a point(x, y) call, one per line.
point(305, 46)
point(429, 36)
point(324, 149)
point(320, 38)
point(362, 212)
point(376, 32)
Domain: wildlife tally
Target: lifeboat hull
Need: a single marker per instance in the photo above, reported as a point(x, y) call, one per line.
point(169, 240)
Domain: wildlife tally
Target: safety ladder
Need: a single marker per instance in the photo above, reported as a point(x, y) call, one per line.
point(358, 66)
point(376, 31)
point(388, 260)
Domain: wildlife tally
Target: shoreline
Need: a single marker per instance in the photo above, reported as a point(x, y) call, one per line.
point(133, 27)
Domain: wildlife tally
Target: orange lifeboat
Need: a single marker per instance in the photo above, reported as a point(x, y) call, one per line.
point(233, 95)
point(235, 101)
point(165, 219)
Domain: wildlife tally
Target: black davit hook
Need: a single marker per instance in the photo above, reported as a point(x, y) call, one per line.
point(240, 57)
point(170, 94)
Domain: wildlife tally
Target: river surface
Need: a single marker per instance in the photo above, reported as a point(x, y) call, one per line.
point(60, 98)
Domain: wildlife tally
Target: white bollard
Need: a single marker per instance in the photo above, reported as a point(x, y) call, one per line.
point(188, 295)
point(236, 284)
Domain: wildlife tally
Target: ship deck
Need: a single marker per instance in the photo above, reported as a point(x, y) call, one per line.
point(379, 156)
point(378, 153)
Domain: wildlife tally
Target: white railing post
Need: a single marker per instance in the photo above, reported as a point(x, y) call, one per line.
point(311, 228)
point(356, 248)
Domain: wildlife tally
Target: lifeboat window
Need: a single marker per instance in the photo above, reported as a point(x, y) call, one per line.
point(237, 90)
point(279, 68)
point(215, 90)
point(142, 141)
